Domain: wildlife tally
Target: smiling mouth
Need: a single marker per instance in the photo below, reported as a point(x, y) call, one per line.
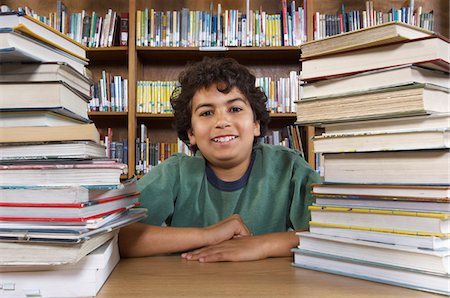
point(223, 139)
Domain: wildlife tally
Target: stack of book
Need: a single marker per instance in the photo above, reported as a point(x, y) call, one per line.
point(383, 211)
point(60, 197)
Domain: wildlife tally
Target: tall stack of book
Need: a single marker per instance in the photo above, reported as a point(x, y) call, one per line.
point(62, 201)
point(383, 211)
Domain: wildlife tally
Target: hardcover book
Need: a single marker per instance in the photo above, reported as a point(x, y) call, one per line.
point(432, 52)
point(57, 96)
point(46, 72)
point(386, 33)
point(40, 31)
point(18, 47)
point(79, 132)
point(401, 101)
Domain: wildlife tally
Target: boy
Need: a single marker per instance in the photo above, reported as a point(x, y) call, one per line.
point(235, 200)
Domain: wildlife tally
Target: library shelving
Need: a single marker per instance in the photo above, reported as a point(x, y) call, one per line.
point(141, 63)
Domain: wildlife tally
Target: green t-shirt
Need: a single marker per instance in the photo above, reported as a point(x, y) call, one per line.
point(273, 196)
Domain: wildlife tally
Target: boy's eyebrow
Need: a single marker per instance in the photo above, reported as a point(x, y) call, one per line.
point(230, 101)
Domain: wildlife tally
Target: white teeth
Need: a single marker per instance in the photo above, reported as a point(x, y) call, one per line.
point(224, 139)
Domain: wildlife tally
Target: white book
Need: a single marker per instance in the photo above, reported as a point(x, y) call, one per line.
point(16, 47)
point(418, 192)
point(41, 96)
point(395, 255)
point(48, 117)
point(37, 254)
point(41, 31)
point(431, 52)
point(383, 141)
point(437, 120)
point(376, 79)
point(430, 242)
point(429, 167)
point(49, 72)
point(414, 279)
point(68, 194)
point(83, 279)
point(51, 150)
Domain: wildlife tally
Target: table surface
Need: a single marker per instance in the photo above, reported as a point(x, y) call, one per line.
point(171, 276)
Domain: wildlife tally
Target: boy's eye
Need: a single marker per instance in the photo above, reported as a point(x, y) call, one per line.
point(205, 113)
point(236, 109)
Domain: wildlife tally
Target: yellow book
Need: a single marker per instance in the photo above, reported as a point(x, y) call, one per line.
point(407, 221)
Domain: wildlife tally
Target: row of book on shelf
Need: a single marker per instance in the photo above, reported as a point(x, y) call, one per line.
point(110, 94)
point(382, 212)
point(221, 27)
point(90, 30)
point(325, 25)
point(62, 200)
point(154, 96)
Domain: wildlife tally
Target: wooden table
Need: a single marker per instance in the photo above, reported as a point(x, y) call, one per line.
point(171, 276)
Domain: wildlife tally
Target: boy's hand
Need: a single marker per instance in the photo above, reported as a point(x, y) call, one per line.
point(237, 249)
point(230, 227)
point(246, 248)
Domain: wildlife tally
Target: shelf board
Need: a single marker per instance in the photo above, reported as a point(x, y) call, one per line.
point(291, 54)
point(108, 53)
point(107, 114)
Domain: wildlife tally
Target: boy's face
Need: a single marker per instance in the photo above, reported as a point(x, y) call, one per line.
point(223, 127)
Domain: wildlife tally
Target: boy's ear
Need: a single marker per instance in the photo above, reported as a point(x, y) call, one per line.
point(191, 136)
point(257, 129)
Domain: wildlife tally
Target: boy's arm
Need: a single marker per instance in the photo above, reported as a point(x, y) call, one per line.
point(138, 240)
point(247, 248)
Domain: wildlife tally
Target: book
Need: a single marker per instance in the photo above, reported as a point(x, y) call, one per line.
point(40, 31)
point(71, 173)
point(409, 278)
point(54, 234)
point(57, 96)
point(124, 19)
point(376, 79)
point(401, 101)
point(65, 280)
point(67, 212)
point(431, 242)
point(420, 192)
point(383, 202)
point(424, 122)
point(79, 132)
point(52, 150)
point(376, 252)
point(432, 52)
point(398, 167)
point(383, 141)
point(389, 220)
point(65, 194)
point(38, 254)
point(80, 224)
point(17, 47)
point(45, 117)
point(390, 32)
point(46, 72)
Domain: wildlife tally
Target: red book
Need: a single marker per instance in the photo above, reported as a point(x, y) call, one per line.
point(124, 28)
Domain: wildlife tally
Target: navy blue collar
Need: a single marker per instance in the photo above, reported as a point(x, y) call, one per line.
point(229, 185)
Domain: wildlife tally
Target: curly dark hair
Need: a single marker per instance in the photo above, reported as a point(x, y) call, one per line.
point(227, 73)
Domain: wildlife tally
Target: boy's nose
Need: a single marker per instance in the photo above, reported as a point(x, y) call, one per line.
point(222, 120)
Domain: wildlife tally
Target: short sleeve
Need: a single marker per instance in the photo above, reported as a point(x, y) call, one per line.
point(159, 189)
point(302, 179)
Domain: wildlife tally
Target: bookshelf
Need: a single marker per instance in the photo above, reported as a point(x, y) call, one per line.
point(137, 63)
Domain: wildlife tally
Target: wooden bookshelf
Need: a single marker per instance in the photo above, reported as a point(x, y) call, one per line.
point(165, 63)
